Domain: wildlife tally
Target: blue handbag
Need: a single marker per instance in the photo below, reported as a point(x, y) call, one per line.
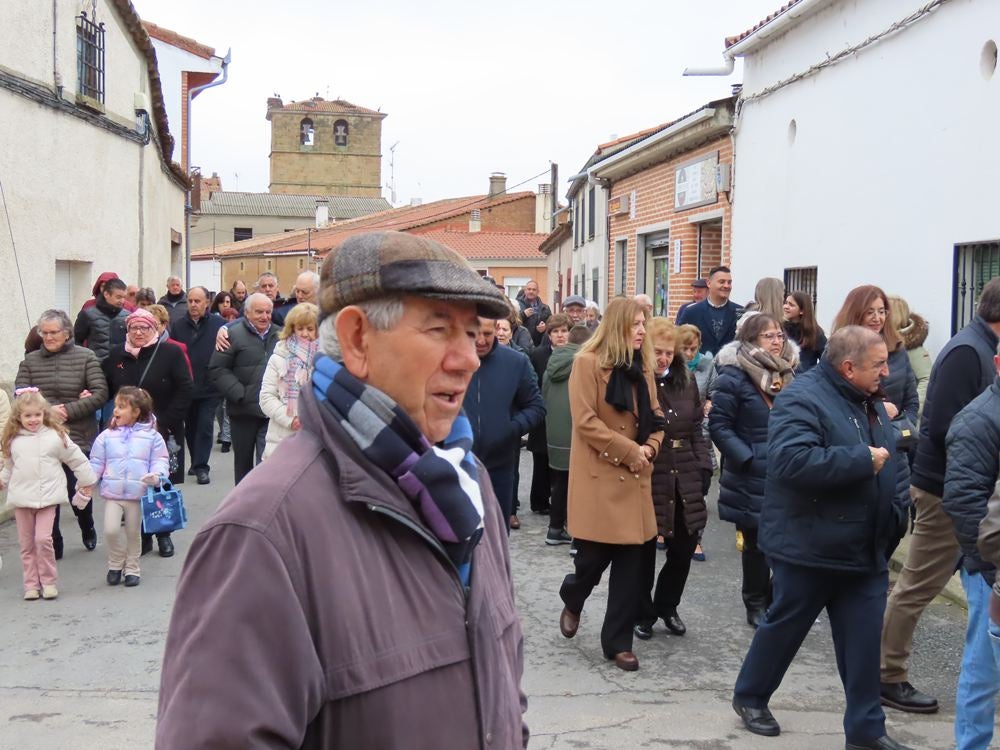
point(163, 510)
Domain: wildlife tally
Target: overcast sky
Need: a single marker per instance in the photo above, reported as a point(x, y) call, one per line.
point(469, 88)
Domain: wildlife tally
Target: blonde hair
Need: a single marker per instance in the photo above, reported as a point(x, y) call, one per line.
point(770, 296)
point(899, 311)
point(22, 402)
point(661, 329)
point(612, 341)
point(160, 313)
point(688, 334)
point(303, 314)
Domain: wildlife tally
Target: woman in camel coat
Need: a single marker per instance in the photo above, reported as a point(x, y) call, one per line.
point(617, 431)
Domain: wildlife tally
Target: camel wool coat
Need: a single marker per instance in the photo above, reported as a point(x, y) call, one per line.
point(607, 503)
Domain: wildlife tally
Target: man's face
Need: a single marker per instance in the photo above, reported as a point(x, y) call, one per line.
point(487, 333)
point(268, 285)
point(721, 286)
point(867, 374)
point(115, 297)
point(425, 362)
point(305, 289)
point(698, 293)
point(531, 291)
point(130, 293)
point(576, 313)
point(174, 286)
point(240, 291)
point(258, 313)
point(558, 336)
point(197, 303)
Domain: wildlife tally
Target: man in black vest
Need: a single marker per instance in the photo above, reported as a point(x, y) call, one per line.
point(962, 371)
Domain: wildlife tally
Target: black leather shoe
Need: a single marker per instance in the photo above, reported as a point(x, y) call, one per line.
point(225, 447)
point(202, 476)
point(904, 697)
point(166, 546)
point(885, 742)
point(675, 624)
point(643, 631)
point(147, 545)
point(114, 577)
point(191, 472)
point(758, 720)
point(90, 538)
point(755, 617)
point(131, 581)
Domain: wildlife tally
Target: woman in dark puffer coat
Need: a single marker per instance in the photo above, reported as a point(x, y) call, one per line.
point(752, 372)
point(682, 472)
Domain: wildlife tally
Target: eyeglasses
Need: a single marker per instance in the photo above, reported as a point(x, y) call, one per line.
point(140, 329)
point(875, 313)
point(45, 334)
point(773, 336)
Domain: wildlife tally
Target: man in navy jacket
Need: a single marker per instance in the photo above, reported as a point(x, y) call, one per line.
point(502, 403)
point(716, 315)
point(829, 523)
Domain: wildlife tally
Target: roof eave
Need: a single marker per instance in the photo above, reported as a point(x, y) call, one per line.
point(776, 26)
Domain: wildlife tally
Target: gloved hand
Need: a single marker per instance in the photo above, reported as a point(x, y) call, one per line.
point(706, 481)
point(153, 480)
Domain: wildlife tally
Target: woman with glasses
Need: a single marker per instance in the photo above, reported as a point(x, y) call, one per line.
point(753, 370)
point(868, 306)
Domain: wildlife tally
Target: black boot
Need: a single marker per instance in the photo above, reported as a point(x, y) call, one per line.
point(165, 544)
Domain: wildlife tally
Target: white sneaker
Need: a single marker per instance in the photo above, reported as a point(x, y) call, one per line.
point(30, 596)
point(49, 592)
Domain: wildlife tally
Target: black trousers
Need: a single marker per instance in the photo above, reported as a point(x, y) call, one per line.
point(756, 573)
point(248, 434)
point(559, 484)
point(84, 518)
point(592, 559)
point(855, 603)
point(540, 482)
point(199, 425)
point(673, 575)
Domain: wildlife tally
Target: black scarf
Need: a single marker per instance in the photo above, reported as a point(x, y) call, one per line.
point(619, 395)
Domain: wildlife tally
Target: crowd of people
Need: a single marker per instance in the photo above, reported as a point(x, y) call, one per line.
point(393, 408)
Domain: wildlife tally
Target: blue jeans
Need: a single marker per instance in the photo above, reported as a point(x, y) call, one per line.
point(979, 680)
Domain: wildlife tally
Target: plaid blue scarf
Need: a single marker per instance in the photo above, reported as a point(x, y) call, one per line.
point(442, 481)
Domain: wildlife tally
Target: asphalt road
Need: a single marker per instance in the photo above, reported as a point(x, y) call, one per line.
point(82, 671)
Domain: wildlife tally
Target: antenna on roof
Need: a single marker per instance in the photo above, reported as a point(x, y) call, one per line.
point(392, 173)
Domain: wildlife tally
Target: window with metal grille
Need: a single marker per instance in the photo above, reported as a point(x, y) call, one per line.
point(90, 58)
point(242, 233)
point(621, 247)
point(596, 284)
point(802, 280)
point(976, 263)
point(592, 213)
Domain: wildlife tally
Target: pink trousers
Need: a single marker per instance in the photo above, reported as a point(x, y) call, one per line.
point(38, 556)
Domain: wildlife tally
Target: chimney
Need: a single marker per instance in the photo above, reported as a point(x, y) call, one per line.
point(322, 212)
point(196, 190)
point(475, 225)
point(416, 201)
point(498, 184)
point(543, 208)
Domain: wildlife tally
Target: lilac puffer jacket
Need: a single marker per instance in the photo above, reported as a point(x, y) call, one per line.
point(122, 455)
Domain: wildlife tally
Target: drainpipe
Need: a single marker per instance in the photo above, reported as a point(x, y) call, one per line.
point(187, 149)
point(56, 76)
point(729, 63)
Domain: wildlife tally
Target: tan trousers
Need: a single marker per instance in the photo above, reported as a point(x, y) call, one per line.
point(123, 544)
point(930, 563)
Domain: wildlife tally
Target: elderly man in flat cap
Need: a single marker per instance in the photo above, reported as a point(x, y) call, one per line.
point(355, 591)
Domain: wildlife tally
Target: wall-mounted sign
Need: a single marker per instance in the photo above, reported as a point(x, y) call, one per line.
point(694, 182)
point(677, 256)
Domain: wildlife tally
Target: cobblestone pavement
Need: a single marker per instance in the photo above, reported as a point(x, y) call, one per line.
point(82, 671)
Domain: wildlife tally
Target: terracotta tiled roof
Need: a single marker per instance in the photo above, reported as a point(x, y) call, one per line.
point(553, 240)
point(491, 245)
point(627, 138)
point(235, 203)
point(403, 219)
point(733, 40)
point(176, 40)
point(336, 106)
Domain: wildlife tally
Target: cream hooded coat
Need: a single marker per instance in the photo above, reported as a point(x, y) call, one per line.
point(33, 473)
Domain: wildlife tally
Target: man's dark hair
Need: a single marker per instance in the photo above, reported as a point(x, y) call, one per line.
point(579, 334)
point(989, 302)
point(719, 269)
point(112, 284)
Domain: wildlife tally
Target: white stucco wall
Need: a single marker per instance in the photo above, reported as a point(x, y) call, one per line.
point(893, 159)
point(593, 253)
point(172, 62)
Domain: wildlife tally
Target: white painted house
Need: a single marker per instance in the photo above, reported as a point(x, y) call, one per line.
point(866, 151)
point(86, 165)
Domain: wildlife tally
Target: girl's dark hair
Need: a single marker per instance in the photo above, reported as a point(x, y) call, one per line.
point(810, 329)
point(137, 398)
point(219, 299)
point(755, 326)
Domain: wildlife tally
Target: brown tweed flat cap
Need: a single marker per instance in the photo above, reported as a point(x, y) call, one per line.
point(380, 264)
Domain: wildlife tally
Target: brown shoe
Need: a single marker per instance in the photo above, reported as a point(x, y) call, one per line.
point(568, 623)
point(515, 522)
point(626, 660)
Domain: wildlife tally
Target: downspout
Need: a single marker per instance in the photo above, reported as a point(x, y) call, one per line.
point(187, 149)
point(729, 63)
point(56, 77)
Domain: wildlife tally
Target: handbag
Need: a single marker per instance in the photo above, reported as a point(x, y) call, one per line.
point(906, 433)
point(163, 510)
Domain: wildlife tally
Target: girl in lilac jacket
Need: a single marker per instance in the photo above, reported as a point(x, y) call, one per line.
point(127, 457)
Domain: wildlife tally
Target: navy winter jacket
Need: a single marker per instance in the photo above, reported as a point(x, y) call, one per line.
point(199, 338)
point(825, 507)
point(901, 389)
point(502, 403)
point(698, 315)
point(738, 426)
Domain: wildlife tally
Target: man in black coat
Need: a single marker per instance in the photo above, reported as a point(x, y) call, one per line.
point(197, 330)
point(534, 312)
point(716, 315)
point(962, 371)
point(829, 523)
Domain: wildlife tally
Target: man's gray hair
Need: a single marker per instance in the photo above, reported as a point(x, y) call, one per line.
point(267, 274)
point(173, 278)
point(258, 297)
point(312, 275)
point(204, 289)
point(989, 302)
point(58, 316)
point(382, 313)
point(851, 343)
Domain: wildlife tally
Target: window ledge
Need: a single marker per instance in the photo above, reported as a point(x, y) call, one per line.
point(90, 103)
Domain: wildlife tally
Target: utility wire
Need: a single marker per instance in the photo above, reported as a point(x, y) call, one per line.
point(13, 247)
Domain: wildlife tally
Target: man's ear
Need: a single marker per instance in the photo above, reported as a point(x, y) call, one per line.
point(352, 328)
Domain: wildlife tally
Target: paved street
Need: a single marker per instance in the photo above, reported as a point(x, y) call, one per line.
point(82, 671)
